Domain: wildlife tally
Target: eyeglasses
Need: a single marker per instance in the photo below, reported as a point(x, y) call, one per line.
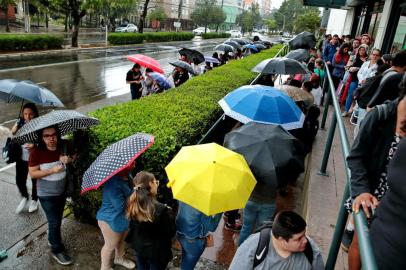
point(157, 182)
point(47, 136)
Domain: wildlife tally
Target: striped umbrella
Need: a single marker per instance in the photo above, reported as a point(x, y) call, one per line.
point(66, 120)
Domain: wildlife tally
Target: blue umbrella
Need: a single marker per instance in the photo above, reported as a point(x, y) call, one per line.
point(160, 79)
point(262, 104)
point(15, 91)
point(211, 60)
point(252, 47)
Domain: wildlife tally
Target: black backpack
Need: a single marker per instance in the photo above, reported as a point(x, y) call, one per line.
point(364, 93)
point(11, 151)
point(263, 244)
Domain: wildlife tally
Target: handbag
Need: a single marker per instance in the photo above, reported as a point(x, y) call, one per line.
point(11, 152)
point(70, 178)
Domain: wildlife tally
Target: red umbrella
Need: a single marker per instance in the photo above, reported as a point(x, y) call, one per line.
point(146, 61)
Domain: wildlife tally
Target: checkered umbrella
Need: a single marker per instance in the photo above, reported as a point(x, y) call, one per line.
point(66, 120)
point(114, 159)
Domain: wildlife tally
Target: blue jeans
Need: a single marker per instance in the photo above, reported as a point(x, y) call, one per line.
point(147, 264)
point(254, 215)
point(192, 249)
point(350, 98)
point(53, 207)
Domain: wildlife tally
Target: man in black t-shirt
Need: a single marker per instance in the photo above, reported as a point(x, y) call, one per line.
point(134, 78)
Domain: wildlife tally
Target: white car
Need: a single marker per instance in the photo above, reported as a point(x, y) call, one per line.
point(235, 33)
point(200, 30)
point(127, 28)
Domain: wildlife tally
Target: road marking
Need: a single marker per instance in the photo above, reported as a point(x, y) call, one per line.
point(7, 167)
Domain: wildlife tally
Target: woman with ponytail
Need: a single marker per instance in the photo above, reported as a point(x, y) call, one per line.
point(151, 225)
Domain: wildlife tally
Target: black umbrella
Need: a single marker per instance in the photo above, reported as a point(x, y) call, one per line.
point(264, 42)
point(260, 46)
point(66, 120)
point(304, 40)
point(240, 41)
point(233, 43)
point(301, 55)
point(184, 65)
point(280, 65)
point(224, 48)
point(191, 55)
point(15, 91)
point(114, 159)
point(273, 154)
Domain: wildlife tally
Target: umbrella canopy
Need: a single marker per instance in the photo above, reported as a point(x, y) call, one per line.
point(262, 104)
point(233, 44)
point(184, 65)
point(252, 47)
point(296, 93)
point(192, 54)
point(114, 159)
point(264, 42)
point(239, 41)
point(146, 61)
point(210, 178)
point(14, 91)
point(160, 79)
point(280, 65)
point(211, 60)
point(260, 46)
point(301, 55)
point(304, 40)
point(66, 120)
point(271, 152)
point(224, 48)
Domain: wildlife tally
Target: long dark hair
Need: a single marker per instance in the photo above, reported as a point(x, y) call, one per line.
point(32, 107)
point(41, 143)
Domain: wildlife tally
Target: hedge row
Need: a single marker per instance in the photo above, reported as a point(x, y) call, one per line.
point(29, 42)
point(178, 117)
point(215, 35)
point(135, 38)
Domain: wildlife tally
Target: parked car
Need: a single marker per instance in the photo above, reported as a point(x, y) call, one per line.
point(127, 28)
point(200, 30)
point(235, 33)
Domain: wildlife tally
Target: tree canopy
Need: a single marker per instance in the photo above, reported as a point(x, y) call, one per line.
point(207, 13)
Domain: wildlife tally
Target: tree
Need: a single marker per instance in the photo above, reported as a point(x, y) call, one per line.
point(291, 9)
point(248, 19)
point(271, 24)
point(158, 14)
point(112, 9)
point(206, 13)
point(4, 4)
point(309, 21)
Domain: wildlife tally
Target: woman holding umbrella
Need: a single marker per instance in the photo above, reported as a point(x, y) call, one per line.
point(151, 226)
point(29, 111)
point(179, 76)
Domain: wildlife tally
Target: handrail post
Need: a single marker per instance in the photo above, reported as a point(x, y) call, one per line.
point(368, 262)
point(326, 103)
point(338, 233)
point(327, 149)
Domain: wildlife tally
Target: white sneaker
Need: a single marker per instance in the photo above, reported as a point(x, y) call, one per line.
point(124, 262)
point(21, 205)
point(33, 206)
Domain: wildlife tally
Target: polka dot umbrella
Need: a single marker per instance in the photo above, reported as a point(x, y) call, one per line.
point(114, 159)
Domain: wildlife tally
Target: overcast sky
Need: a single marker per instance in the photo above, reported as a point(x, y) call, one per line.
point(276, 3)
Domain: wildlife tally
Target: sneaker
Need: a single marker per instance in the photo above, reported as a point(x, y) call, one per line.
point(33, 206)
point(62, 258)
point(21, 206)
point(346, 240)
point(232, 227)
point(124, 262)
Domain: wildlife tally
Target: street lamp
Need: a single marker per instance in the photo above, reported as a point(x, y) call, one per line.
point(284, 18)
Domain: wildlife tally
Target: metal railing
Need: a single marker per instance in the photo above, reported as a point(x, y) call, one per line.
point(361, 226)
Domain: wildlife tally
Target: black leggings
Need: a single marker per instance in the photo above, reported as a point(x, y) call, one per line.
point(21, 180)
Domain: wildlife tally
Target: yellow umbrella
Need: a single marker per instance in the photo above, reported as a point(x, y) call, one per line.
point(210, 178)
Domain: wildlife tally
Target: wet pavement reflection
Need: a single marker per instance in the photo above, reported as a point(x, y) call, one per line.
point(87, 76)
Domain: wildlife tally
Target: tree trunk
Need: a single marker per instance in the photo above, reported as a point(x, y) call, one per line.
point(77, 17)
point(142, 18)
point(46, 20)
point(66, 21)
point(38, 20)
point(7, 21)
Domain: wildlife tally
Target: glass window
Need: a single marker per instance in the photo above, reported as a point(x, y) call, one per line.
point(400, 34)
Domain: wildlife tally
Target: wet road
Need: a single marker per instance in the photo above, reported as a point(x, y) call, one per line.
point(87, 76)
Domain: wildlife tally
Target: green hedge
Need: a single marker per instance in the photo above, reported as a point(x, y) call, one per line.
point(178, 117)
point(215, 35)
point(134, 38)
point(9, 42)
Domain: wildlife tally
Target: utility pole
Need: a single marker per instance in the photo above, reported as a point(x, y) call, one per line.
point(26, 9)
point(180, 12)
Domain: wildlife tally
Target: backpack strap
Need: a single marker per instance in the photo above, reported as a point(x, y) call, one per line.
point(382, 111)
point(263, 245)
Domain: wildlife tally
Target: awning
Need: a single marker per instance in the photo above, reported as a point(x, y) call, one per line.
point(325, 3)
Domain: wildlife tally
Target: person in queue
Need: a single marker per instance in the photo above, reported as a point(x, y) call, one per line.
point(112, 220)
point(47, 164)
point(29, 112)
point(134, 78)
point(151, 225)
